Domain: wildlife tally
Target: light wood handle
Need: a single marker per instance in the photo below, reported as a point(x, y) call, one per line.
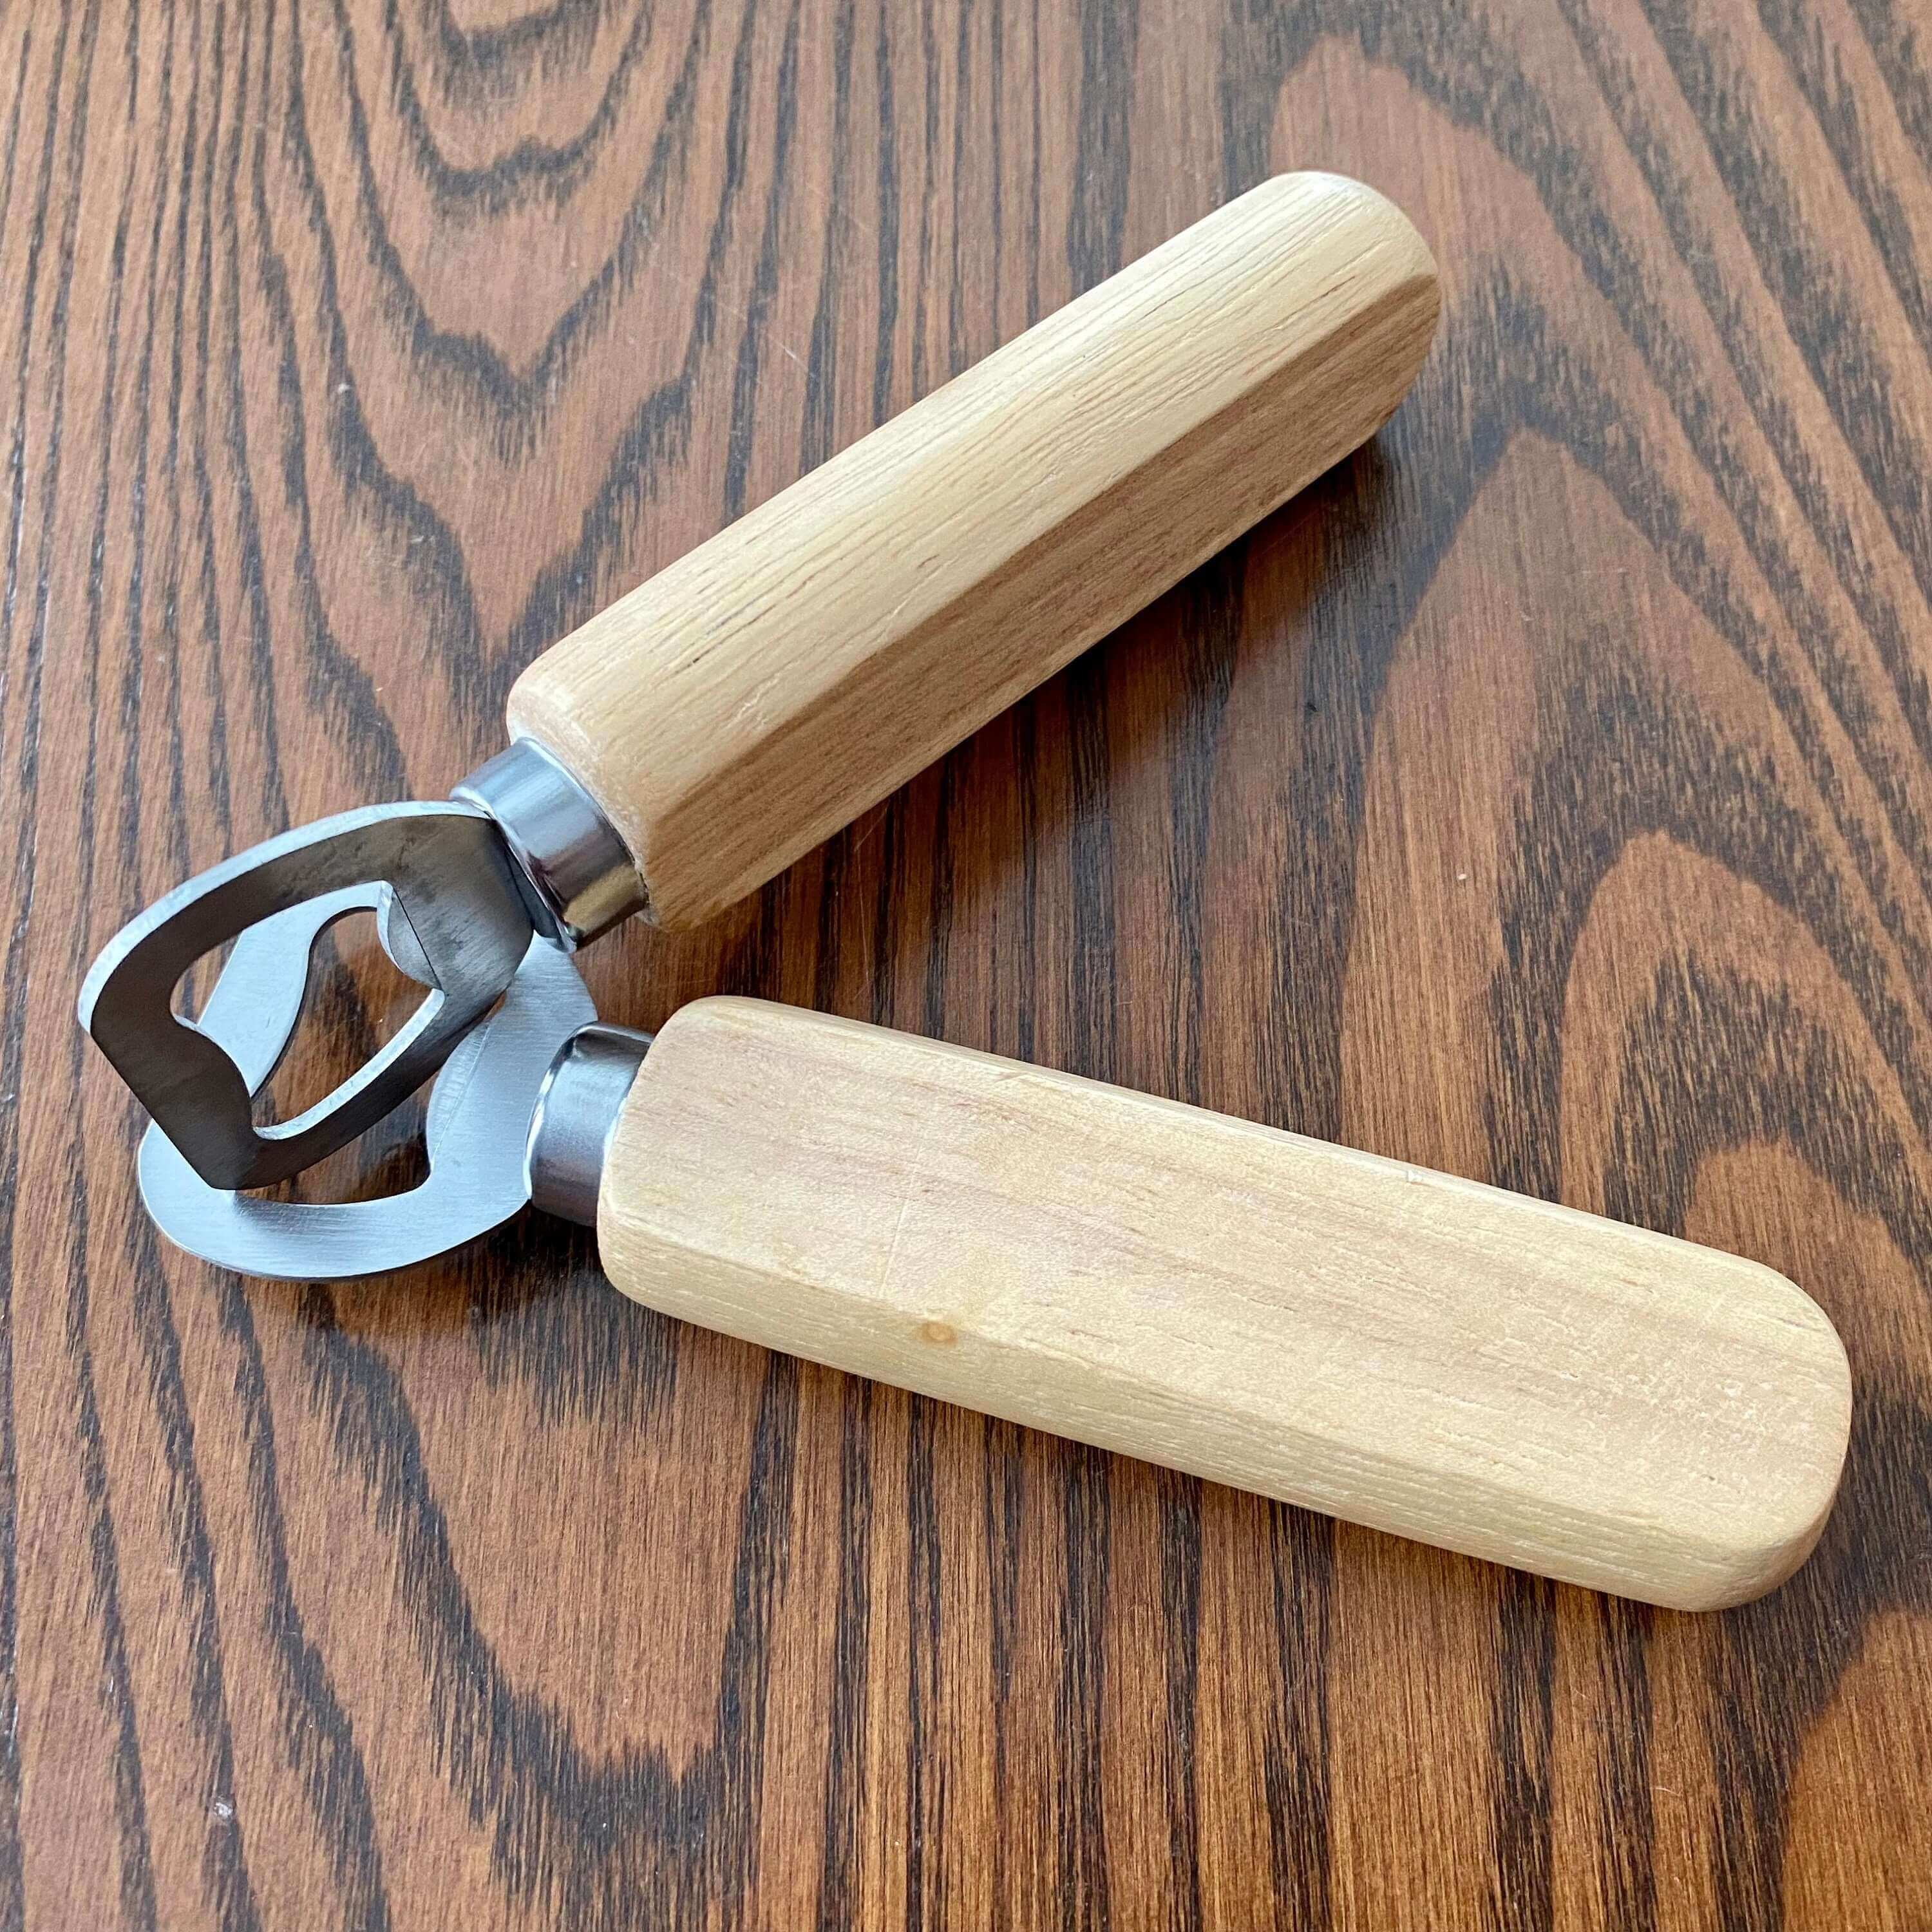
point(762, 692)
point(1427, 1355)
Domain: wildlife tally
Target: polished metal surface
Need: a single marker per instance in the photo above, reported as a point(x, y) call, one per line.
point(579, 872)
point(441, 870)
point(576, 1113)
point(475, 1133)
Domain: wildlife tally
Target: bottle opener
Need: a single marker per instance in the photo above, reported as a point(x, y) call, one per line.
point(1493, 1374)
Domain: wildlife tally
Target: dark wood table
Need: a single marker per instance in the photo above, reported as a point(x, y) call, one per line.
point(1546, 795)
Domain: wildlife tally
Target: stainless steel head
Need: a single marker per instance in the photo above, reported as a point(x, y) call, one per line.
point(443, 870)
point(461, 887)
point(478, 1119)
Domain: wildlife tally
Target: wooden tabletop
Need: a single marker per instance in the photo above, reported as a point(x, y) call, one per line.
point(1545, 795)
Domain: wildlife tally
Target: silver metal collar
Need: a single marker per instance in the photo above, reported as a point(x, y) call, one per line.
point(579, 872)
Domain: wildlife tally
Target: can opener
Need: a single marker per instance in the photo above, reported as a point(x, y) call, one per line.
point(1427, 1355)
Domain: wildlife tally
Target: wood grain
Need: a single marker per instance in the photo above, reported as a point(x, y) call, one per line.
point(1544, 797)
point(779, 680)
point(1490, 1374)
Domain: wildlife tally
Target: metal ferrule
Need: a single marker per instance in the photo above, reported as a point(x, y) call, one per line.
point(578, 873)
point(576, 1112)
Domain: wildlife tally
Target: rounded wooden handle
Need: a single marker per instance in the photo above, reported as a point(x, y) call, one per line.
point(747, 701)
point(1496, 1375)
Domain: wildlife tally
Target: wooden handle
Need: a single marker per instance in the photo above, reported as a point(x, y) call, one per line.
point(1496, 1375)
point(761, 692)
